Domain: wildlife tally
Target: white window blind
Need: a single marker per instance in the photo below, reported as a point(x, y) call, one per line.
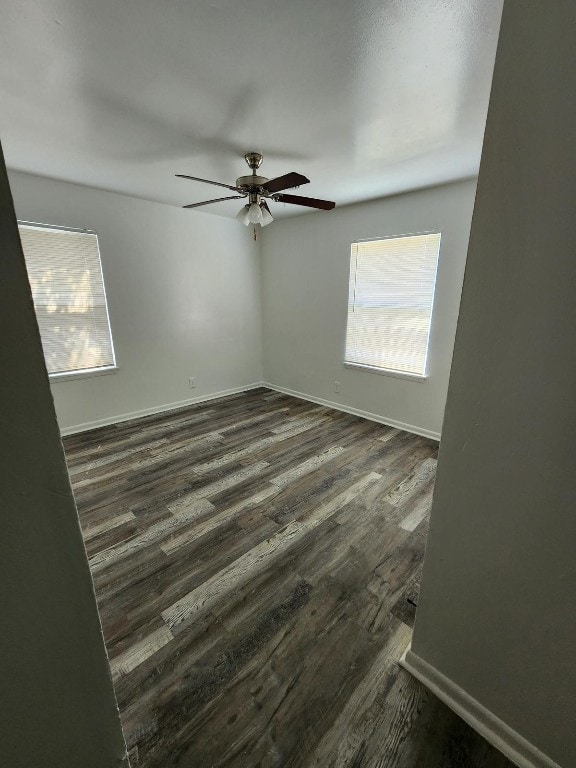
point(390, 302)
point(65, 275)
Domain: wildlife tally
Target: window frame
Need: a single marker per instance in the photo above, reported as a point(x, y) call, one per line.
point(380, 371)
point(80, 373)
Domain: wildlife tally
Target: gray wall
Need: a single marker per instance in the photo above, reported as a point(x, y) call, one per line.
point(183, 293)
point(305, 271)
point(497, 613)
point(57, 707)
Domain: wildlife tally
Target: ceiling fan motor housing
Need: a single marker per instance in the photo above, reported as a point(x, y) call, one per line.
point(246, 183)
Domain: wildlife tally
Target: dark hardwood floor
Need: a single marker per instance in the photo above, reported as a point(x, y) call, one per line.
point(256, 562)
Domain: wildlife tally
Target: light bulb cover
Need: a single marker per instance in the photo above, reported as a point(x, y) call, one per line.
point(242, 215)
point(254, 213)
point(267, 217)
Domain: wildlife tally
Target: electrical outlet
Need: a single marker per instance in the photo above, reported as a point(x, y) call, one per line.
point(336, 386)
point(192, 382)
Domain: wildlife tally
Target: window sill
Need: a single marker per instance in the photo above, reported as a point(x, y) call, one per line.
point(85, 373)
point(387, 372)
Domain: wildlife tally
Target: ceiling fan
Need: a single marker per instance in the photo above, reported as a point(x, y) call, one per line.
point(259, 189)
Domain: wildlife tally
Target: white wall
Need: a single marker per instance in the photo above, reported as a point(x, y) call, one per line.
point(183, 292)
point(185, 298)
point(306, 262)
point(57, 707)
point(497, 612)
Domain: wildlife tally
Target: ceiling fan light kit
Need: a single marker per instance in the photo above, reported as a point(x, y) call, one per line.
point(254, 213)
point(259, 189)
point(242, 215)
point(267, 217)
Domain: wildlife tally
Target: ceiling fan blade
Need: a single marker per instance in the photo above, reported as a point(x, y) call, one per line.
point(217, 200)
point(287, 181)
point(207, 181)
point(310, 202)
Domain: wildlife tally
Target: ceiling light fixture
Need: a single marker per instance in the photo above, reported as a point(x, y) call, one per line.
point(254, 213)
point(267, 217)
point(242, 215)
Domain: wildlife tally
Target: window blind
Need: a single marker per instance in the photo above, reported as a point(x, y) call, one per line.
point(390, 302)
point(65, 276)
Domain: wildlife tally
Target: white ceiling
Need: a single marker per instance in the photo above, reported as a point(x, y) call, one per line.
point(365, 97)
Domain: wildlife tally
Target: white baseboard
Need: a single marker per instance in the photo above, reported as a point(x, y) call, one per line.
point(107, 421)
point(155, 409)
point(356, 412)
point(515, 747)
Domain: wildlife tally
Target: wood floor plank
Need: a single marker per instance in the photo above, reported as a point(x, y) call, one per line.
point(91, 531)
point(138, 653)
point(183, 515)
point(206, 490)
point(256, 561)
point(418, 508)
point(214, 521)
point(306, 466)
point(347, 738)
point(418, 477)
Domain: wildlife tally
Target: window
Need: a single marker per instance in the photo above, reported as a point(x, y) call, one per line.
point(390, 303)
point(65, 275)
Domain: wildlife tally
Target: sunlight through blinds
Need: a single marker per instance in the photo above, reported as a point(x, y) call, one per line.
point(69, 298)
point(390, 302)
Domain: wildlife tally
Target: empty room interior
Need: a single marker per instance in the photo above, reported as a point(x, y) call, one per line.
point(287, 314)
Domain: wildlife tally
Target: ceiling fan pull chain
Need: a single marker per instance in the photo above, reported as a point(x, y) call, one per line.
point(255, 235)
